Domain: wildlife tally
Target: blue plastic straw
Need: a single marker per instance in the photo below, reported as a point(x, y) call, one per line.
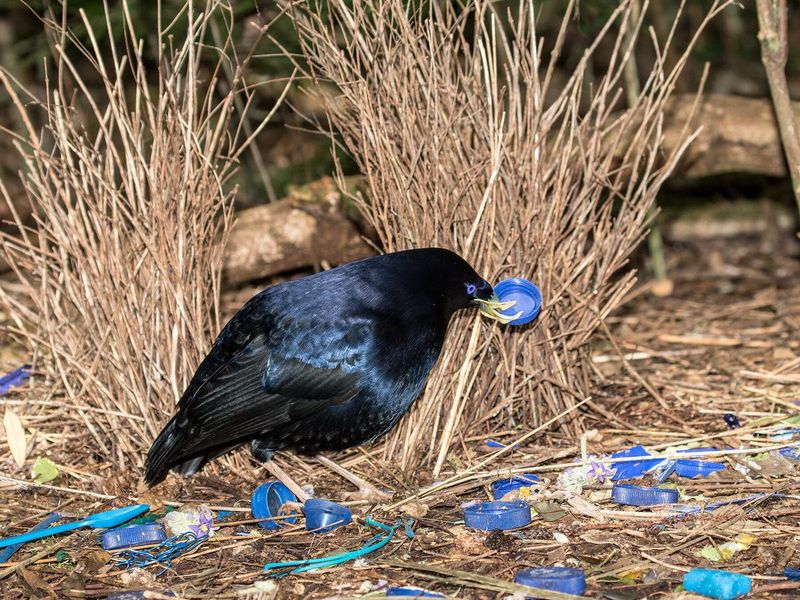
point(375, 543)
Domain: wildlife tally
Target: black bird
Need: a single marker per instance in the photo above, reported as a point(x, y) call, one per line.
point(322, 363)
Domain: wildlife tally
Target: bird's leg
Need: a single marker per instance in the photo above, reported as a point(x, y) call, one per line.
point(284, 478)
point(366, 491)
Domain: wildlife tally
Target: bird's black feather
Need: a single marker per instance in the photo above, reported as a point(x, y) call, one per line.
point(321, 363)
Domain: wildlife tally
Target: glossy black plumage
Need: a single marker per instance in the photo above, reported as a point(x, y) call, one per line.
point(325, 362)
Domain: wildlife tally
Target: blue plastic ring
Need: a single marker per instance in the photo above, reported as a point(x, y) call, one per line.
point(634, 495)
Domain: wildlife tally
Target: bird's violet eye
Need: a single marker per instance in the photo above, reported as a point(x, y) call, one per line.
point(471, 289)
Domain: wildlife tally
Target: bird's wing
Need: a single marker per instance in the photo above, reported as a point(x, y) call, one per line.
point(250, 384)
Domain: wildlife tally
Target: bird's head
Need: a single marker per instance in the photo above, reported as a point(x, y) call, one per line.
point(459, 284)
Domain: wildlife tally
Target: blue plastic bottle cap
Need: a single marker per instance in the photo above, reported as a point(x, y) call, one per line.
point(268, 500)
point(556, 579)
point(696, 468)
point(412, 592)
point(634, 495)
point(527, 296)
point(722, 585)
point(489, 516)
point(133, 535)
point(323, 515)
point(501, 487)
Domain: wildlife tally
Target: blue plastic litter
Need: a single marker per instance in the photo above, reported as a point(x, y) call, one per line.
point(732, 421)
point(496, 444)
point(527, 296)
point(501, 487)
point(791, 573)
point(162, 554)
point(412, 592)
point(713, 583)
point(490, 516)
point(6, 554)
point(103, 520)
point(634, 495)
point(566, 580)
point(377, 542)
point(133, 535)
point(636, 468)
point(691, 469)
point(17, 377)
point(323, 515)
point(268, 500)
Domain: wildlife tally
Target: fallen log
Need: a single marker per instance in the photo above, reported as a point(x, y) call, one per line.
point(739, 135)
point(312, 225)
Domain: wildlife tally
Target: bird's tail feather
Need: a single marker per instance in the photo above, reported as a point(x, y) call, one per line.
point(172, 450)
point(169, 452)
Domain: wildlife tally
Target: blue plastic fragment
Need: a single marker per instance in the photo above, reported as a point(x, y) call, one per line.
point(692, 469)
point(566, 580)
point(162, 554)
point(635, 468)
point(501, 487)
point(713, 583)
point(375, 543)
point(412, 592)
point(133, 535)
point(490, 516)
point(732, 421)
point(526, 295)
point(496, 444)
point(323, 515)
point(11, 550)
point(792, 453)
point(634, 495)
point(16, 377)
point(791, 573)
point(268, 500)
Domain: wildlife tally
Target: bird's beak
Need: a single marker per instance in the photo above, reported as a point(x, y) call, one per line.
point(493, 306)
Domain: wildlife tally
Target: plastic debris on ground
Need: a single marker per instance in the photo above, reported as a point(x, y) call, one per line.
point(15, 378)
point(634, 495)
point(267, 503)
point(412, 592)
point(490, 516)
point(513, 488)
point(133, 535)
point(162, 554)
point(197, 520)
point(725, 551)
point(722, 585)
point(566, 580)
point(375, 543)
point(10, 550)
point(323, 516)
point(103, 520)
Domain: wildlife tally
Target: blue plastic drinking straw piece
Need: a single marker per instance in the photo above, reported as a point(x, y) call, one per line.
point(375, 543)
point(11, 550)
point(103, 520)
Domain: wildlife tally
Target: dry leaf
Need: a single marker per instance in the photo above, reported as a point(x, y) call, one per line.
point(15, 435)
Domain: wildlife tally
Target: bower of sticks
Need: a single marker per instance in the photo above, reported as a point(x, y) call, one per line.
point(652, 205)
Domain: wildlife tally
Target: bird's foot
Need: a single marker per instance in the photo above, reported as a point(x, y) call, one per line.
point(369, 493)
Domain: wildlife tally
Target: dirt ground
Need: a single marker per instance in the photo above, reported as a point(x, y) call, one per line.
point(726, 341)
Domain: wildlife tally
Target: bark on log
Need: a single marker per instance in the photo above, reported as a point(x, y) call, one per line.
point(299, 231)
point(740, 135)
